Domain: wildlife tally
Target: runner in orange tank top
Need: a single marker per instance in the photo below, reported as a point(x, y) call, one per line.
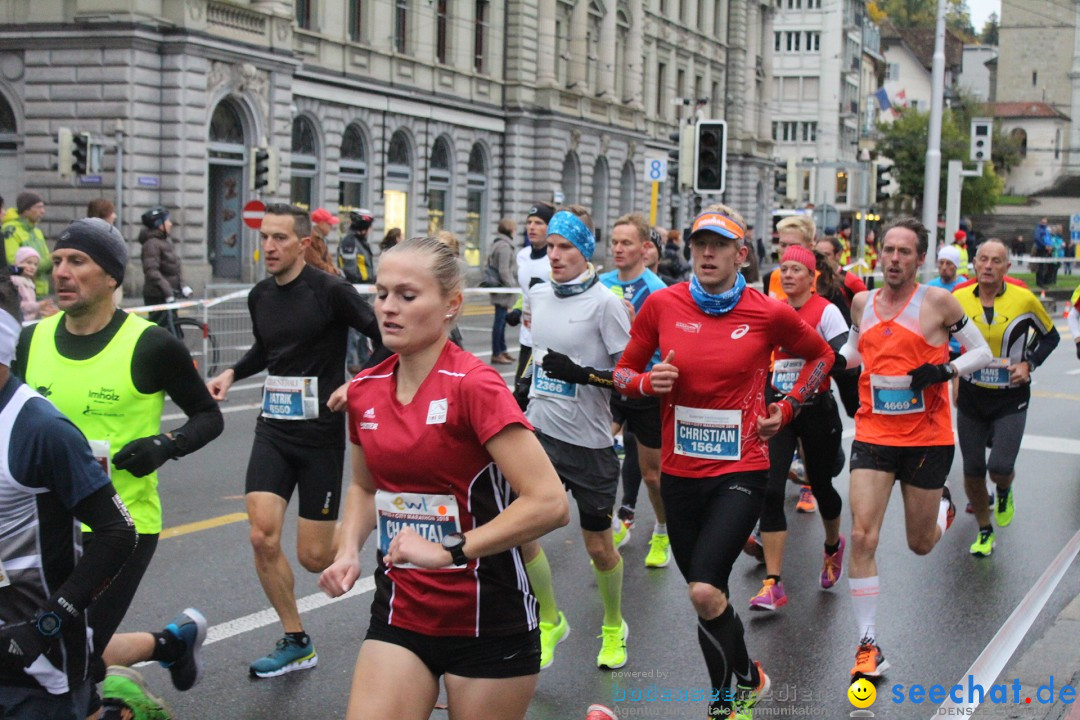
point(903, 429)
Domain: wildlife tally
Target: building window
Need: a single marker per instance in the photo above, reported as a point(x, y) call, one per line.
point(439, 181)
point(475, 204)
point(841, 186)
point(592, 49)
point(398, 183)
point(683, 6)
point(303, 14)
point(622, 35)
point(1034, 78)
point(356, 25)
point(225, 124)
point(480, 31)
point(352, 175)
point(401, 25)
point(714, 98)
point(1019, 135)
point(794, 4)
point(813, 42)
point(442, 22)
point(793, 41)
point(813, 4)
point(892, 71)
point(809, 132)
point(562, 43)
point(661, 93)
point(778, 41)
point(680, 84)
point(305, 164)
point(663, 7)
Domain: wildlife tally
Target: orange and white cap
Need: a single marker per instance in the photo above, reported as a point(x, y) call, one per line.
point(718, 223)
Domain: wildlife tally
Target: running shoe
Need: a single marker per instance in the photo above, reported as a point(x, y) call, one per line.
point(659, 551)
point(550, 636)
point(984, 543)
point(771, 596)
point(288, 655)
point(971, 511)
point(807, 503)
point(1004, 510)
point(619, 448)
point(833, 566)
point(870, 662)
point(950, 514)
point(746, 697)
point(621, 535)
point(599, 712)
point(613, 646)
point(626, 514)
point(190, 628)
point(753, 546)
point(797, 471)
point(124, 694)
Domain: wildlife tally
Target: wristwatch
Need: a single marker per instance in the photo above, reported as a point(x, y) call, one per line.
point(48, 624)
point(181, 441)
point(454, 543)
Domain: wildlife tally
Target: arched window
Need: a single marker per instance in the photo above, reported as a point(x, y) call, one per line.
point(571, 178)
point(225, 124)
point(398, 182)
point(600, 201)
point(352, 177)
point(626, 188)
point(1019, 135)
point(563, 14)
point(592, 45)
point(475, 204)
point(305, 163)
point(440, 174)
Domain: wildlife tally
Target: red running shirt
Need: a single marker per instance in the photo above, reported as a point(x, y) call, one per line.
point(709, 420)
point(430, 468)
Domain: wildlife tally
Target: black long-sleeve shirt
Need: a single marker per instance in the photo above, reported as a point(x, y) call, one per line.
point(160, 362)
point(300, 330)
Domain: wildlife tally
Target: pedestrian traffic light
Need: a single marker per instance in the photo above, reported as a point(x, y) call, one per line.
point(981, 134)
point(883, 179)
point(65, 141)
point(260, 168)
point(80, 154)
point(710, 154)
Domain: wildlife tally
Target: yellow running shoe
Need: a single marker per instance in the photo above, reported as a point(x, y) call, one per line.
point(659, 551)
point(613, 646)
point(550, 636)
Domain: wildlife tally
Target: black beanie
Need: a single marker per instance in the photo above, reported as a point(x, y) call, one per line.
point(27, 200)
point(101, 241)
point(543, 211)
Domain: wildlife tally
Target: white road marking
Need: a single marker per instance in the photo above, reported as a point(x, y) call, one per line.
point(992, 659)
point(1034, 443)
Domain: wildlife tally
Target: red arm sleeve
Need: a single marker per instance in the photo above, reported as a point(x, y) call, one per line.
point(803, 341)
point(630, 380)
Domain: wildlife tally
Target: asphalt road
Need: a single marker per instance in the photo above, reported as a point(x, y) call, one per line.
point(937, 613)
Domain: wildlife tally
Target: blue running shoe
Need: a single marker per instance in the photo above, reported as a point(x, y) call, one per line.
point(287, 655)
point(190, 628)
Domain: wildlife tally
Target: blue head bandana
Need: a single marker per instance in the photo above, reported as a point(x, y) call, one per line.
point(571, 227)
point(717, 304)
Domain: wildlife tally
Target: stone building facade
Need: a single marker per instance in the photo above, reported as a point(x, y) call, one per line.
point(433, 114)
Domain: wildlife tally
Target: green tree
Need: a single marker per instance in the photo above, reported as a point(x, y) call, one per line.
point(990, 29)
point(905, 142)
point(923, 14)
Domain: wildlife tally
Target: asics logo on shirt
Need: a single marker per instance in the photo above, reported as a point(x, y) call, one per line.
point(690, 327)
point(739, 332)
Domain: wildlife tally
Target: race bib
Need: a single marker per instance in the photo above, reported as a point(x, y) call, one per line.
point(708, 434)
point(431, 516)
point(785, 373)
point(100, 450)
point(994, 375)
point(290, 398)
point(892, 395)
point(547, 386)
point(4, 579)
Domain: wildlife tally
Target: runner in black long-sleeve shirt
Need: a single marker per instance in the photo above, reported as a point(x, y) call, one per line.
point(300, 319)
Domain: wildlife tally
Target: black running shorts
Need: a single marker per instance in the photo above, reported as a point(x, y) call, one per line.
point(591, 475)
point(640, 415)
point(922, 466)
point(497, 656)
point(278, 467)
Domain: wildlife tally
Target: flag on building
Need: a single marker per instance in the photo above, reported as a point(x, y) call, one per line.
point(882, 99)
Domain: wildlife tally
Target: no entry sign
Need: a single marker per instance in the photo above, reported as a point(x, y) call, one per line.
point(253, 214)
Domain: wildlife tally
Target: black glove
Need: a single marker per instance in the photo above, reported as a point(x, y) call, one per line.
point(561, 367)
point(20, 644)
point(928, 374)
point(145, 455)
point(513, 318)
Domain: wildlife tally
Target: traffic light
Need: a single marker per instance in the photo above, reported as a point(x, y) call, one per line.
point(981, 134)
point(710, 154)
point(780, 183)
point(883, 178)
point(784, 182)
point(260, 168)
point(80, 154)
point(65, 141)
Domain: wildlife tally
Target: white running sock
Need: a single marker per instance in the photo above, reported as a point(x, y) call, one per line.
point(864, 597)
point(659, 528)
point(943, 514)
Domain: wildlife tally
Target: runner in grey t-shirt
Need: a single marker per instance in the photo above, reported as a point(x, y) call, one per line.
point(579, 330)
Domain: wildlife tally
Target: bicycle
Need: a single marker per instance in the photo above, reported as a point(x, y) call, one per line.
point(192, 333)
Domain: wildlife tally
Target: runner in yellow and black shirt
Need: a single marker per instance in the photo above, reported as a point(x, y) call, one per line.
point(992, 402)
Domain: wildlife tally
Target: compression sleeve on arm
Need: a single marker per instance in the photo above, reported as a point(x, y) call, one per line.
point(1074, 323)
point(114, 541)
point(1041, 347)
point(977, 353)
point(850, 350)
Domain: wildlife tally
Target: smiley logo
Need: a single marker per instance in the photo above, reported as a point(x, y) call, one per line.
point(862, 693)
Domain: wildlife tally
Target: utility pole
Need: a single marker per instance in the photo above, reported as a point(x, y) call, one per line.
point(932, 176)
